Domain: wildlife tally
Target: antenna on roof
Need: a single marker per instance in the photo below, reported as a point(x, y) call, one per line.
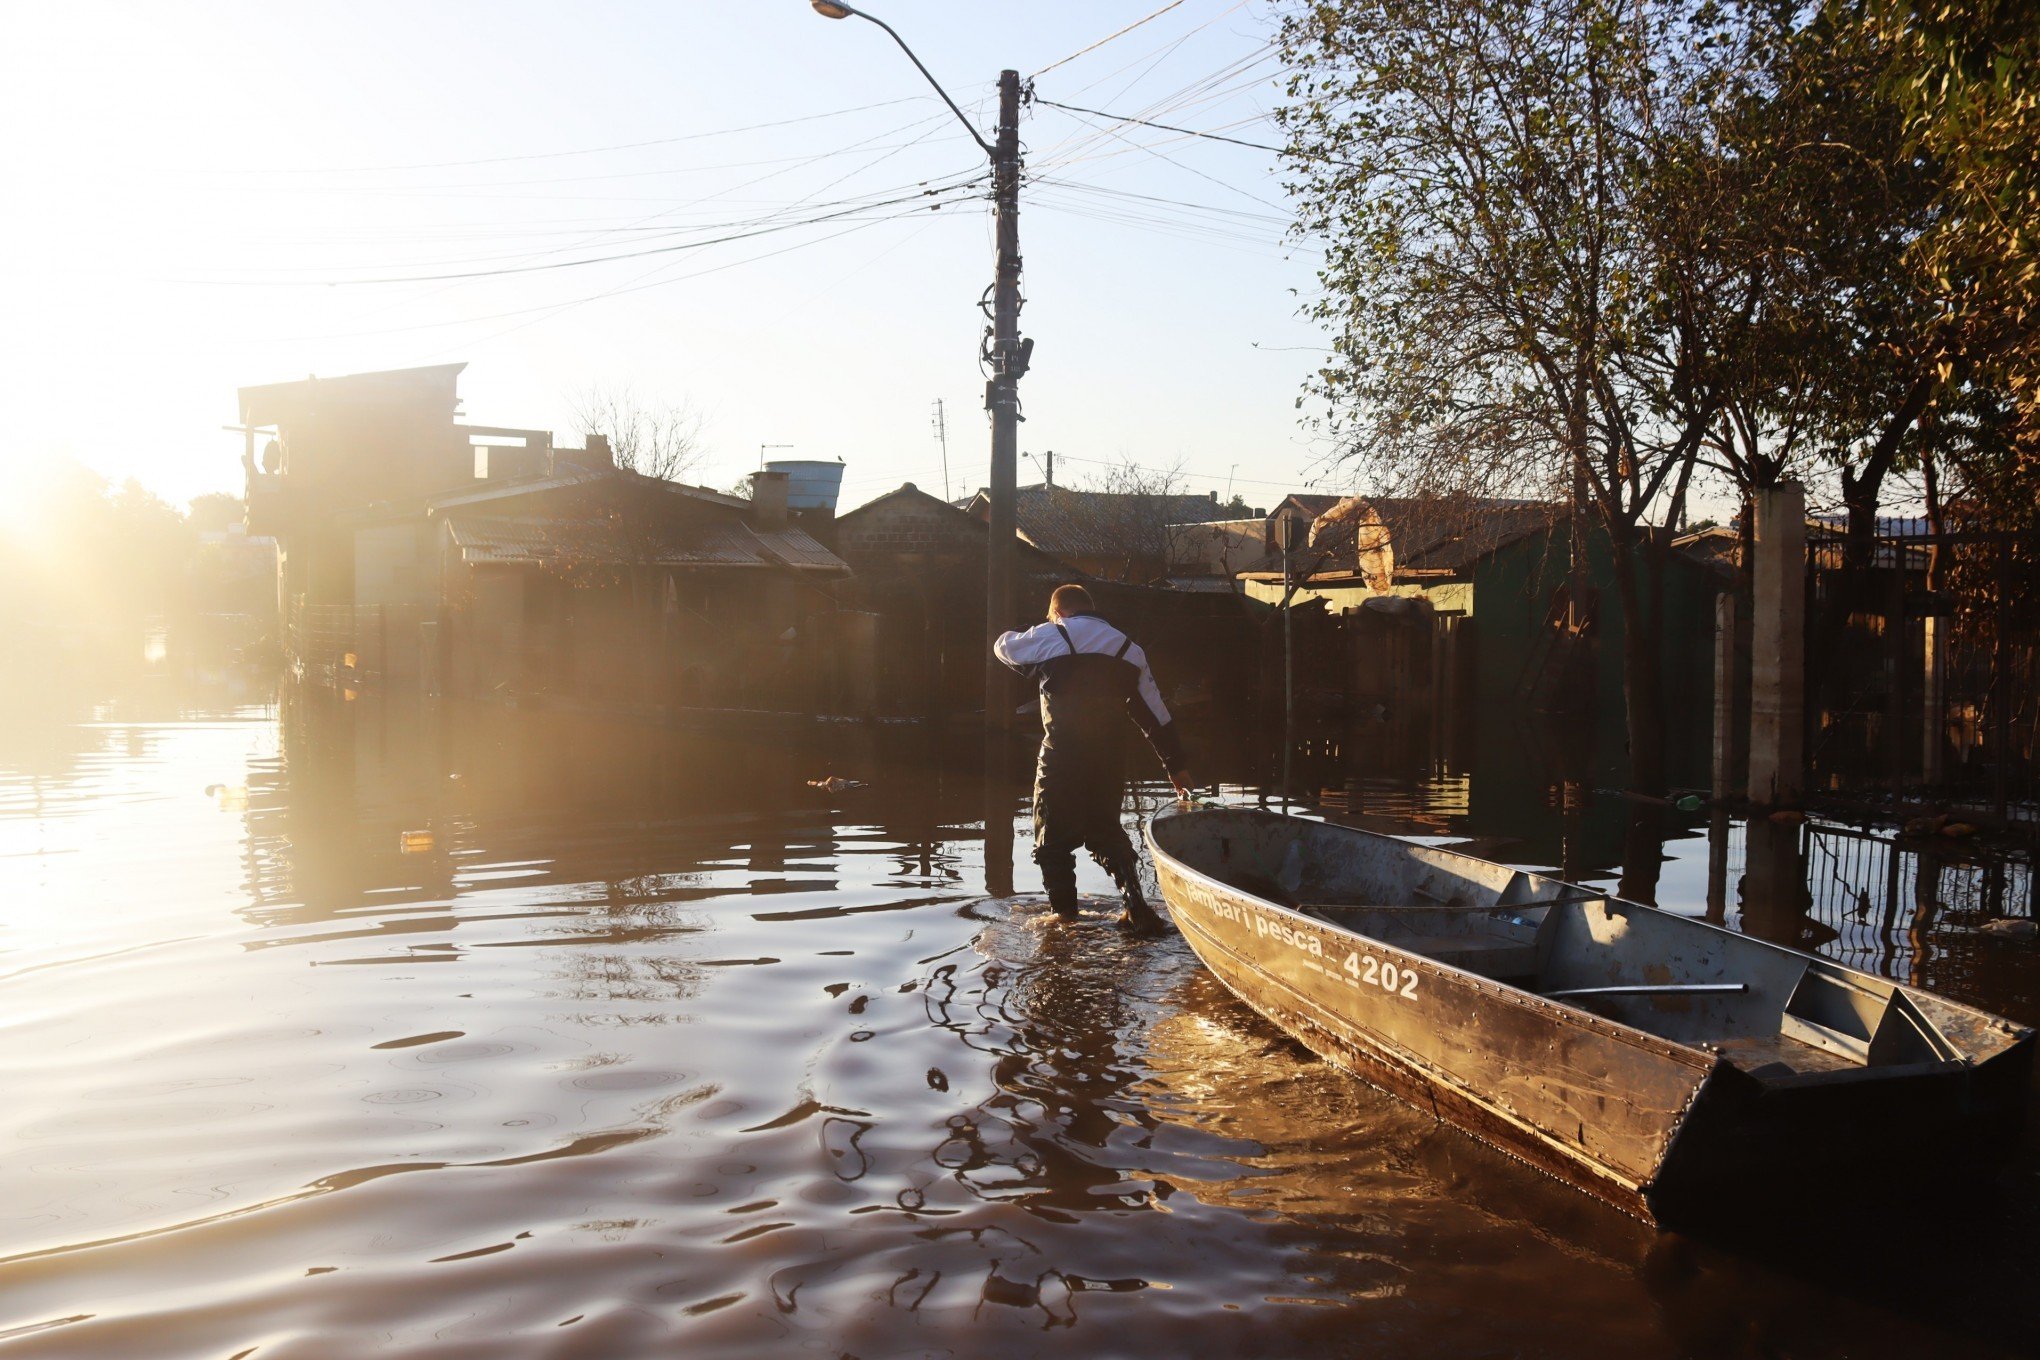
point(942, 436)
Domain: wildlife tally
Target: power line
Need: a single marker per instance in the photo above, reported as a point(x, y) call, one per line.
point(552, 309)
point(633, 285)
point(1156, 56)
point(1243, 213)
point(1205, 89)
point(637, 282)
point(1173, 4)
point(1191, 169)
point(1229, 80)
point(583, 151)
point(454, 190)
point(767, 228)
point(644, 232)
point(1164, 127)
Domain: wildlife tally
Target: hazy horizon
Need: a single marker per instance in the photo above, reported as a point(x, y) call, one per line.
point(221, 193)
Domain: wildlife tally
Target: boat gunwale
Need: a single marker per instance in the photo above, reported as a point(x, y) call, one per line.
point(2008, 1033)
point(1513, 995)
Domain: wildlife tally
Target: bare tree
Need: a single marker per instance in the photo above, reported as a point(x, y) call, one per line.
point(653, 439)
point(1136, 509)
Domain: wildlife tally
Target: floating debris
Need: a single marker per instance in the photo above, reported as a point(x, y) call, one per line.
point(835, 783)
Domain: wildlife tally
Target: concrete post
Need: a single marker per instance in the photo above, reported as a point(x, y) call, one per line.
point(1724, 694)
point(1932, 721)
point(1778, 647)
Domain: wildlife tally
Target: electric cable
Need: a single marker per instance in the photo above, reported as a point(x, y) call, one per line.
point(630, 286)
point(1165, 127)
point(555, 155)
point(763, 230)
point(1173, 4)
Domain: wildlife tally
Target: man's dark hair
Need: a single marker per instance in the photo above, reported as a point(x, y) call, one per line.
point(1071, 599)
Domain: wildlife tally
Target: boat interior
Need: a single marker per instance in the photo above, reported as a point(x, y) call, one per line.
point(1778, 1015)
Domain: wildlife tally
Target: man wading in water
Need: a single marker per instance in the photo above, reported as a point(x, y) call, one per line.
point(1092, 677)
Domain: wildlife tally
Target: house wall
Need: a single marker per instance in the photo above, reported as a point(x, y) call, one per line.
point(1219, 548)
point(918, 565)
point(394, 564)
point(347, 443)
point(490, 656)
point(747, 638)
point(1516, 587)
point(905, 526)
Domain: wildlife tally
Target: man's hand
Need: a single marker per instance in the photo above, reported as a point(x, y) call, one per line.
point(1185, 788)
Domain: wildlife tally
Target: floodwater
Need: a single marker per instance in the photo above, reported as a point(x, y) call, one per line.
point(338, 1031)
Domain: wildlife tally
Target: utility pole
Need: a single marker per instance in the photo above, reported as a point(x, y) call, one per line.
point(1009, 356)
point(941, 424)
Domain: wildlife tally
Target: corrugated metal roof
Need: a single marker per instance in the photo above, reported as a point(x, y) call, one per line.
point(499, 541)
point(723, 545)
point(620, 479)
point(793, 548)
point(488, 541)
point(1071, 523)
point(496, 491)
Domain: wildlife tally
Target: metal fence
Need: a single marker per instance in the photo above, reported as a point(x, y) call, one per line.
point(1929, 910)
point(1924, 663)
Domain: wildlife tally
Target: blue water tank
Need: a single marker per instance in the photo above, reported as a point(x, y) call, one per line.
point(810, 485)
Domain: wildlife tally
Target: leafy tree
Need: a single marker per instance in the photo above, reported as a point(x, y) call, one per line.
point(1524, 277)
point(215, 512)
point(1966, 76)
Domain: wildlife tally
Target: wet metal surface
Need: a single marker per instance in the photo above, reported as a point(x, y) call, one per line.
point(496, 1034)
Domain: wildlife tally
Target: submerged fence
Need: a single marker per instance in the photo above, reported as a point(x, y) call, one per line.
point(1928, 909)
point(1924, 667)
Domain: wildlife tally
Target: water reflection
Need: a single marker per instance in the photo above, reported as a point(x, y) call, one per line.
point(477, 1031)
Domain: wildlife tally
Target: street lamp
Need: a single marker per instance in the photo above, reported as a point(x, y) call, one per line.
point(1009, 357)
point(829, 9)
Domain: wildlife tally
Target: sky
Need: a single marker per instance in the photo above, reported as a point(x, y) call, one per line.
point(210, 195)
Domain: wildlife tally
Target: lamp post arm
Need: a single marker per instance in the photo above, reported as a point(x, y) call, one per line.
point(968, 126)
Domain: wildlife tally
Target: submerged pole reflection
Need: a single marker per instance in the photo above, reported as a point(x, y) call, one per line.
point(998, 802)
point(1774, 892)
point(1717, 866)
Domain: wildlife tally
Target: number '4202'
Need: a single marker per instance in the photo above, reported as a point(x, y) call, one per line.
point(1372, 971)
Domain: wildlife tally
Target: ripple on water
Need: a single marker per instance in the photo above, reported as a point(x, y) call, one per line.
point(627, 1112)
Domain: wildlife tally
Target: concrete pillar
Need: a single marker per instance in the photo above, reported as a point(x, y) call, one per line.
point(1724, 694)
point(1778, 647)
point(1932, 721)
